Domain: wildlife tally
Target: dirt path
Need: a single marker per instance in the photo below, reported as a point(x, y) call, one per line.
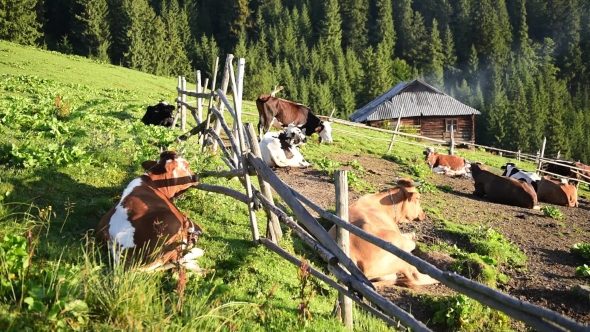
point(550, 269)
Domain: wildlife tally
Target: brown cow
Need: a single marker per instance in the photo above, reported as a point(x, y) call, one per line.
point(379, 214)
point(554, 191)
point(145, 226)
point(501, 189)
point(281, 112)
point(447, 164)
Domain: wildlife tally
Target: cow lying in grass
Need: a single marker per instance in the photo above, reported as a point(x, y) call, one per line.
point(280, 149)
point(501, 189)
point(446, 164)
point(159, 115)
point(558, 192)
point(145, 226)
point(379, 215)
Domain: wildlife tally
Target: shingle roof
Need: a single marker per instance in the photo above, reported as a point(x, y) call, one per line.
point(430, 102)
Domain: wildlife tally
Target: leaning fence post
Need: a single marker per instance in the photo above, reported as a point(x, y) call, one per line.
point(343, 238)
point(212, 90)
point(540, 157)
point(273, 229)
point(224, 84)
point(399, 119)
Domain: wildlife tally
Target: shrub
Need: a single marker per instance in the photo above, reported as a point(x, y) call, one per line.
point(62, 110)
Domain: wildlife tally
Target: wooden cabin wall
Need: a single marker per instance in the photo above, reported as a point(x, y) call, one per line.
point(433, 127)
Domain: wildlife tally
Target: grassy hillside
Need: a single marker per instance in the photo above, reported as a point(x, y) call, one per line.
point(64, 163)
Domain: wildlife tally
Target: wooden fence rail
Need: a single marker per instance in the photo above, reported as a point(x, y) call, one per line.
point(317, 238)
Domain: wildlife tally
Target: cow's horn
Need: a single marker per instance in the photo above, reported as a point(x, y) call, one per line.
point(415, 184)
point(180, 153)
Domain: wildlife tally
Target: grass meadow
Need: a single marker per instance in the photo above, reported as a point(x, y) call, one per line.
point(72, 139)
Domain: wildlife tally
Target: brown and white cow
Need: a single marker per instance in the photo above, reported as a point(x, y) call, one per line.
point(501, 189)
point(379, 215)
point(446, 164)
point(145, 226)
point(554, 191)
point(281, 112)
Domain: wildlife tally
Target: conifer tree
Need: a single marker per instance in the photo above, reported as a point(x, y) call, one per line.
point(18, 21)
point(518, 124)
point(354, 24)
point(385, 31)
point(403, 20)
point(418, 43)
point(343, 96)
point(330, 41)
point(433, 69)
point(93, 29)
point(450, 56)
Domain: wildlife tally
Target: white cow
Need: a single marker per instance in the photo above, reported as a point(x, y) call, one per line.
point(280, 149)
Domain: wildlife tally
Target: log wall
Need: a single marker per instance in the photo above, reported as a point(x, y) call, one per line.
point(433, 127)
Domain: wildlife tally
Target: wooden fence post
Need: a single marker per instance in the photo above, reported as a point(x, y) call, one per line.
point(399, 119)
point(343, 239)
point(220, 105)
point(199, 100)
point(452, 147)
point(273, 229)
point(208, 122)
point(518, 155)
point(178, 105)
point(540, 157)
point(182, 106)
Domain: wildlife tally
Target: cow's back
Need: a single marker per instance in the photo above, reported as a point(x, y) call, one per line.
point(504, 190)
point(555, 192)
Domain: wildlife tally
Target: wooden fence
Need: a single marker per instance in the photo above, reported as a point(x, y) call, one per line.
point(539, 159)
point(242, 162)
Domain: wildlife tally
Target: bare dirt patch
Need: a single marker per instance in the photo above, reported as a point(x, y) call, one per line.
point(549, 275)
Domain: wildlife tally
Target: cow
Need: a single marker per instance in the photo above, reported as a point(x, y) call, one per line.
point(280, 149)
point(563, 169)
point(145, 229)
point(511, 171)
point(555, 191)
point(281, 112)
point(159, 115)
point(379, 215)
point(446, 164)
point(501, 189)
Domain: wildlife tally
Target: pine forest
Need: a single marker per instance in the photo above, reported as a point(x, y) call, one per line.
point(525, 64)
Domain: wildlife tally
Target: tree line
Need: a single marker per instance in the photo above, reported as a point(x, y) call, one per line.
point(525, 64)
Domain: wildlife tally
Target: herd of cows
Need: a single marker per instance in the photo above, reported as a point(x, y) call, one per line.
point(146, 228)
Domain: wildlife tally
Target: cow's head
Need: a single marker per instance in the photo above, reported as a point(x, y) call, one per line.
point(171, 174)
point(508, 166)
point(430, 156)
point(294, 135)
point(411, 208)
point(325, 132)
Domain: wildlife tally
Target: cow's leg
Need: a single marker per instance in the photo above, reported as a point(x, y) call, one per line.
point(479, 190)
point(279, 162)
point(413, 278)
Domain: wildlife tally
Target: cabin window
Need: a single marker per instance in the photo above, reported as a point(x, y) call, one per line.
point(451, 124)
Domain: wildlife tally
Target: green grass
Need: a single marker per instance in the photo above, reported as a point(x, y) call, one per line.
point(60, 172)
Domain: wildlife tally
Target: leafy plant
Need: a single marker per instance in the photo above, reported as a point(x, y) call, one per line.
point(356, 165)
point(326, 165)
point(552, 212)
point(427, 188)
point(582, 249)
point(583, 271)
point(62, 110)
point(454, 312)
point(418, 170)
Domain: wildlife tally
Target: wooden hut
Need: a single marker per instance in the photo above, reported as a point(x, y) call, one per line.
point(424, 110)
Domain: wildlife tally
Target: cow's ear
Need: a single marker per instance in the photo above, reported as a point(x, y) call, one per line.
point(148, 164)
point(318, 129)
point(170, 108)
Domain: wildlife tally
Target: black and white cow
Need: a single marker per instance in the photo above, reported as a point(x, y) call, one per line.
point(511, 171)
point(159, 115)
point(280, 148)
